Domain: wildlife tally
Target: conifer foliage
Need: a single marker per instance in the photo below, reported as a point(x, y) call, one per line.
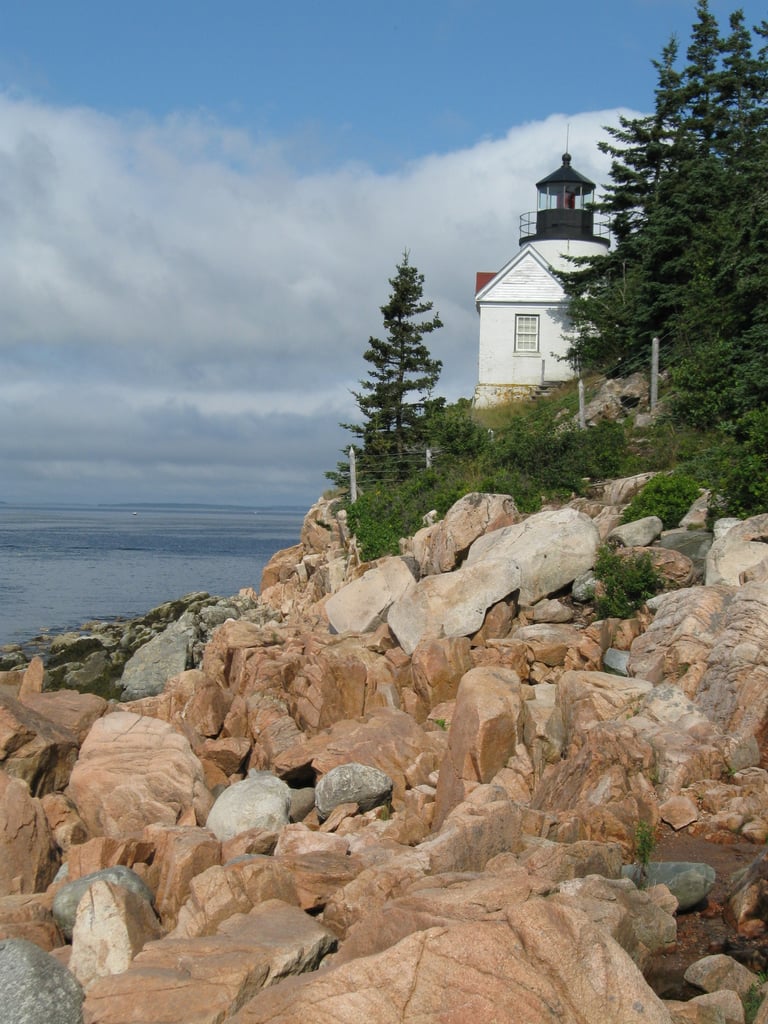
point(688, 203)
point(396, 397)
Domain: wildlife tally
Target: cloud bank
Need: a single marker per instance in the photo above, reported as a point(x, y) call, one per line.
point(184, 313)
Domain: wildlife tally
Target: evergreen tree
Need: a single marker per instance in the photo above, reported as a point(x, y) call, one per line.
point(604, 289)
point(689, 213)
point(396, 397)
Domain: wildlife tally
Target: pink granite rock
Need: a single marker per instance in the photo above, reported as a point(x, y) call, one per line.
point(135, 771)
point(205, 980)
point(548, 964)
point(483, 734)
point(220, 892)
point(28, 859)
point(111, 926)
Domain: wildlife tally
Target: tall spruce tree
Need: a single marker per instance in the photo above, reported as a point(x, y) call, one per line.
point(689, 211)
point(396, 397)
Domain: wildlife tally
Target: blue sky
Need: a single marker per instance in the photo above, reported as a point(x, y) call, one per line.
point(201, 204)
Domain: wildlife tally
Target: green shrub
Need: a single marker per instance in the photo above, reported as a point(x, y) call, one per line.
point(668, 496)
point(645, 843)
point(753, 999)
point(627, 583)
point(383, 514)
point(740, 466)
point(556, 456)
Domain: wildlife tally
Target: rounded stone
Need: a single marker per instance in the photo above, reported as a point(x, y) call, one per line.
point(688, 881)
point(260, 801)
point(352, 783)
point(36, 988)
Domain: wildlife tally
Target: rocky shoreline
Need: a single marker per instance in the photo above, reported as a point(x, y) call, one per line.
point(405, 791)
point(93, 658)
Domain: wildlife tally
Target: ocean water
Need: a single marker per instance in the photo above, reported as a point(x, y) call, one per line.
point(65, 565)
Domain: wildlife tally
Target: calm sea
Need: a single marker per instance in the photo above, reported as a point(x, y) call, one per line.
point(63, 566)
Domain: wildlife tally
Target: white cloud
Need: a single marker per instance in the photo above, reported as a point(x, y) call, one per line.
point(177, 300)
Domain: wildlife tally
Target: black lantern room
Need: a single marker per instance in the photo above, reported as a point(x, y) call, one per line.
point(564, 208)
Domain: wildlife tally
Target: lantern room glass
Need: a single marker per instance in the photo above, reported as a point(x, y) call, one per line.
point(563, 196)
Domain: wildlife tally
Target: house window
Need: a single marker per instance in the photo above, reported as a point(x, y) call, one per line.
point(526, 333)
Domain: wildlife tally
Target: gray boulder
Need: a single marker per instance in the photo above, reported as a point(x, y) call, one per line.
point(622, 491)
point(66, 900)
point(36, 988)
point(352, 783)
point(166, 655)
point(638, 534)
point(689, 882)
point(616, 661)
point(695, 544)
point(583, 589)
point(742, 549)
point(260, 801)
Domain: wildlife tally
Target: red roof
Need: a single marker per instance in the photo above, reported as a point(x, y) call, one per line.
point(482, 278)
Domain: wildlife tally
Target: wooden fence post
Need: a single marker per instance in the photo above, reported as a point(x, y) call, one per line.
point(654, 373)
point(352, 475)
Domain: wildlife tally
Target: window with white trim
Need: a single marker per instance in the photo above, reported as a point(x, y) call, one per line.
point(526, 333)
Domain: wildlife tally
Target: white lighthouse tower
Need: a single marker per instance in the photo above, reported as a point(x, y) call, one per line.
point(522, 307)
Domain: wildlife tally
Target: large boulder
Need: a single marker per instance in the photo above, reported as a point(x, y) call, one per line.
point(361, 605)
point(550, 549)
point(638, 533)
point(221, 892)
point(688, 882)
point(35, 748)
point(164, 656)
point(28, 859)
point(352, 783)
point(483, 734)
point(741, 549)
point(29, 917)
point(135, 771)
point(623, 490)
point(632, 917)
point(182, 854)
point(711, 641)
point(260, 801)
point(337, 678)
point(604, 785)
point(452, 604)
point(546, 963)
point(747, 906)
point(589, 697)
point(110, 928)
point(36, 988)
point(440, 548)
point(677, 643)
point(72, 711)
point(437, 667)
point(694, 544)
point(204, 980)
point(68, 897)
point(719, 971)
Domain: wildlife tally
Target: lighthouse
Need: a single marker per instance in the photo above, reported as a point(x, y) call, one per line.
point(522, 307)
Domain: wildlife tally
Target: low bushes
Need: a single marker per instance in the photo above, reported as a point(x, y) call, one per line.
point(668, 496)
point(626, 583)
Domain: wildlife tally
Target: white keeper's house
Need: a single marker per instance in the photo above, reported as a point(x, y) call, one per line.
point(523, 323)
